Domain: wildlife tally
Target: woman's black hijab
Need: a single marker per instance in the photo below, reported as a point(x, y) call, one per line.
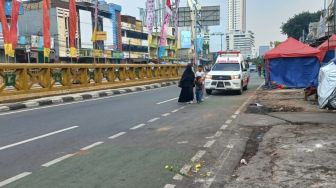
point(188, 77)
point(188, 72)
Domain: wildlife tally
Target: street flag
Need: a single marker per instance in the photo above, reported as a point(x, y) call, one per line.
point(73, 27)
point(94, 33)
point(150, 15)
point(13, 28)
point(46, 28)
point(5, 29)
point(163, 36)
point(177, 3)
point(168, 7)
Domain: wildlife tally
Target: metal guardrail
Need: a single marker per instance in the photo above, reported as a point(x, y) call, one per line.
point(33, 78)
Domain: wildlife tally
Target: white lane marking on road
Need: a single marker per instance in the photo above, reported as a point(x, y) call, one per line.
point(228, 121)
point(218, 133)
point(223, 127)
point(15, 178)
point(209, 143)
point(77, 102)
point(153, 120)
point(183, 107)
point(167, 100)
point(210, 137)
point(175, 111)
point(169, 186)
point(138, 126)
point(234, 116)
point(91, 146)
point(57, 160)
point(237, 112)
point(165, 115)
point(198, 156)
point(183, 142)
point(117, 135)
point(204, 180)
point(248, 99)
point(206, 97)
point(36, 138)
point(221, 164)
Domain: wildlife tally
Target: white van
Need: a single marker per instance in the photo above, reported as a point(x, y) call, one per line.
point(230, 72)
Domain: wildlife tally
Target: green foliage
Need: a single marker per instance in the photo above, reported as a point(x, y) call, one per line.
point(295, 25)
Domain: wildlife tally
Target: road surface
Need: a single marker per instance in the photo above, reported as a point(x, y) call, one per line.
point(117, 141)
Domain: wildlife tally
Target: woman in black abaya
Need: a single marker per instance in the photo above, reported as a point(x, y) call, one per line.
point(187, 85)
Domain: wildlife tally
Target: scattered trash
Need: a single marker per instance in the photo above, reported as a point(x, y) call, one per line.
point(243, 162)
point(318, 145)
point(170, 168)
point(208, 174)
point(256, 104)
point(274, 153)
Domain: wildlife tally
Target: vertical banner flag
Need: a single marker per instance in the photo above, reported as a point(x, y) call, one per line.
point(163, 37)
point(94, 34)
point(46, 28)
point(13, 28)
point(5, 29)
point(73, 27)
point(150, 15)
point(177, 5)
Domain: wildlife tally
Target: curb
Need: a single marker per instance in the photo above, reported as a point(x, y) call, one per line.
point(81, 96)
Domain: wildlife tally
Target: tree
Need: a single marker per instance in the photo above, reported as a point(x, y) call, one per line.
point(295, 25)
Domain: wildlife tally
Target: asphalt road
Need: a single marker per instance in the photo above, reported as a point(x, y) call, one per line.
point(120, 141)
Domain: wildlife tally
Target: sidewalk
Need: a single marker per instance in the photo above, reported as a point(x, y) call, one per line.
point(292, 143)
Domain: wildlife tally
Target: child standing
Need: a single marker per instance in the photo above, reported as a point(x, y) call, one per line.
point(199, 89)
point(200, 73)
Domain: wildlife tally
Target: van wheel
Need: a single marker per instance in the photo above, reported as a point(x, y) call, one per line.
point(208, 91)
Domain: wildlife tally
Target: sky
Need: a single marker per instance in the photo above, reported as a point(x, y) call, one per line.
point(264, 17)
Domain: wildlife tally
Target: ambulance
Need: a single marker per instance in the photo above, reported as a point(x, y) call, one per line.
point(229, 73)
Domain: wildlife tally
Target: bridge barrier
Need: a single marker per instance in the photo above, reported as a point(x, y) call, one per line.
point(18, 79)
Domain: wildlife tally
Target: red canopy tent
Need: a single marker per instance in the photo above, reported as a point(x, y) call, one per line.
point(328, 45)
point(292, 64)
point(293, 48)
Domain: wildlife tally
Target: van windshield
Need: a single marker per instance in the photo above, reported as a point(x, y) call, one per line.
point(226, 67)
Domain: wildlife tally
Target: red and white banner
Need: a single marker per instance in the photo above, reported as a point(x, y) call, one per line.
point(4, 24)
point(14, 23)
point(150, 5)
point(163, 36)
point(46, 28)
point(73, 27)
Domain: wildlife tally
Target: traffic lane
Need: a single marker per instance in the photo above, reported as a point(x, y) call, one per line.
point(140, 154)
point(24, 125)
point(91, 129)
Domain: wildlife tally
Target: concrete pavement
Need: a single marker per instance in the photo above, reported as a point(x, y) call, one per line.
point(122, 141)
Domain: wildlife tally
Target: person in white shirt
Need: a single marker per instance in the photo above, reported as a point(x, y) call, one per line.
point(200, 73)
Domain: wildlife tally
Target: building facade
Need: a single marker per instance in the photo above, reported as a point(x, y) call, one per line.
point(241, 41)
point(237, 36)
point(236, 15)
point(263, 50)
point(134, 40)
point(168, 52)
point(108, 51)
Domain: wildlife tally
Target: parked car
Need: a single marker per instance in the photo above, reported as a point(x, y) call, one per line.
point(253, 68)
